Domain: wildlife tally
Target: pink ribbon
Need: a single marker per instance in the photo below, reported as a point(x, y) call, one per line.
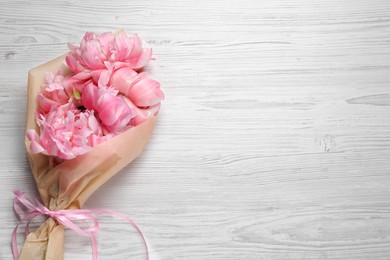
point(66, 218)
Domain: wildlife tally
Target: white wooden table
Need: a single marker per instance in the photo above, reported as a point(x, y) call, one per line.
point(273, 141)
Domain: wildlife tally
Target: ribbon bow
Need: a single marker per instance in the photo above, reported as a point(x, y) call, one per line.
point(66, 218)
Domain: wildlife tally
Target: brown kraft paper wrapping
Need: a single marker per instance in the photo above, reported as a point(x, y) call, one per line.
point(69, 184)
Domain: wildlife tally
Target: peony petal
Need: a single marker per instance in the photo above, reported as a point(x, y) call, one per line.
point(139, 115)
point(36, 147)
point(122, 79)
point(89, 96)
point(82, 75)
point(106, 41)
point(144, 58)
point(145, 92)
point(104, 78)
point(123, 46)
point(154, 109)
point(32, 135)
point(111, 110)
point(93, 123)
point(45, 103)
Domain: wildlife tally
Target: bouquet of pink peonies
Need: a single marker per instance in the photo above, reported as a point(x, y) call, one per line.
point(90, 112)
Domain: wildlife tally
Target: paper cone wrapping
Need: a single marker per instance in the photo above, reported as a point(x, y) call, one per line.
point(69, 184)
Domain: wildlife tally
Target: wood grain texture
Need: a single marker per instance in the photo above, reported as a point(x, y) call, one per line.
point(273, 141)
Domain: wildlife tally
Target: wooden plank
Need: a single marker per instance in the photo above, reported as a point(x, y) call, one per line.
point(273, 141)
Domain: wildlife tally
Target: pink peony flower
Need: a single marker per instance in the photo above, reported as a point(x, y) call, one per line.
point(142, 91)
point(66, 132)
point(112, 109)
point(107, 51)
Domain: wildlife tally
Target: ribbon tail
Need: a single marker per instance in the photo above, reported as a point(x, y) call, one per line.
point(14, 243)
point(131, 222)
point(95, 253)
point(27, 229)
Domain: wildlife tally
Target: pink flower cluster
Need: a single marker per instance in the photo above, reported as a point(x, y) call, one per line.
point(105, 95)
